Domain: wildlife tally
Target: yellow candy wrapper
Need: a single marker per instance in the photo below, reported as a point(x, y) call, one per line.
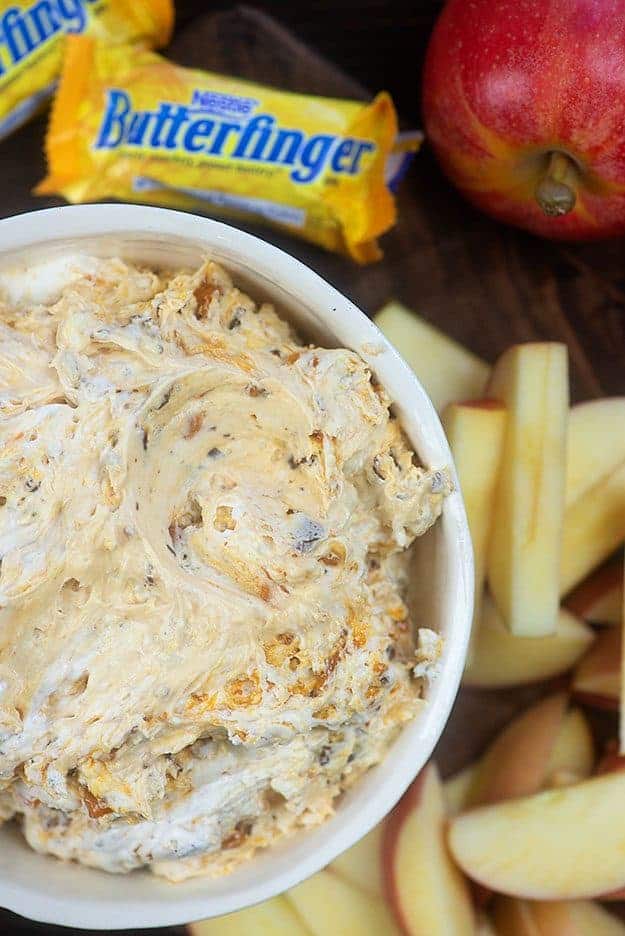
point(130, 125)
point(32, 41)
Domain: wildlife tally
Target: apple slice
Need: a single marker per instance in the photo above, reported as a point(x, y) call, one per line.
point(599, 599)
point(622, 689)
point(361, 865)
point(585, 916)
point(573, 755)
point(556, 845)
point(475, 431)
point(328, 904)
point(516, 762)
point(594, 526)
point(456, 789)
point(275, 917)
point(485, 926)
point(514, 917)
point(596, 444)
point(611, 759)
point(597, 677)
point(524, 555)
point(501, 659)
point(446, 369)
point(426, 891)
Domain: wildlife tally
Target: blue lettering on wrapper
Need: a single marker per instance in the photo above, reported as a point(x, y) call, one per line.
point(286, 146)
point(363, 147)
point(73, 14)
point(174, 126)
point(196, 134)
point(342, 153)
point(45, 20)
point(16, 35)
point(313, 158)
point(223, 131)
point(257, 132)
point(24, 30)
point(113, 126)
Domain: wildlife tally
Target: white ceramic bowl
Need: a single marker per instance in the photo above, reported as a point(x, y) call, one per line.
point(46, 889)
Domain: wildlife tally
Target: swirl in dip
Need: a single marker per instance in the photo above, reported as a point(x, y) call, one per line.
point(204, 531)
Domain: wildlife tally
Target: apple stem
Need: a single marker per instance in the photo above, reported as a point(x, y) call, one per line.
point(556, 192)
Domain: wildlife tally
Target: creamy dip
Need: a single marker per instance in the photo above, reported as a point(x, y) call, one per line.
point(204, 532)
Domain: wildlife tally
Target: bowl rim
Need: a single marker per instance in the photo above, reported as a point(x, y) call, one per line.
point(41, 229)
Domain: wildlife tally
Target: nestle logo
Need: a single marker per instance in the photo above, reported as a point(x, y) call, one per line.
point(214, 102)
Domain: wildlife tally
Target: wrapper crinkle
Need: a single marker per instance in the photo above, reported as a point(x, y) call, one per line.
point(130, 125)
point(33, 35)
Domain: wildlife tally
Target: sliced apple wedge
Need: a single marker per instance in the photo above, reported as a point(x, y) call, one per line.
point(596, 444)
point(361, 864)
point(456, 789)
point(589, 917)
point(485, 926)
point(594, 526)
point(599, 598)
point(556, 845)
point(597, 677)
point(611, 759)
point(501, 659)
point(475, 431)
point(327, 904)
point(446, 369)
point(516, 762)
point(514, 917)
point(573, 756)
point(426, 891)
point(524, 555)
point(622, 689)
point(275, 917)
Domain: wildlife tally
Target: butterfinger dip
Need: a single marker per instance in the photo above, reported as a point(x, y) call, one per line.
point(205, 529)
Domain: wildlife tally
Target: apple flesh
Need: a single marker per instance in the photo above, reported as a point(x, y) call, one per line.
point(475, 431)
point(539, 760)
point(516, 762)
point(521, 106)
point(275, 917)
point(555, 845)
point(447, 371)
point(485, 926)
point(597, 677)
point(426, 891)
point(514, 917)
point(594, 526)
point(456, 789)
point(622, 688)
point(327, 904)
point(573, 755)
point(500, 659)
point(599, 599)
point(596, 444)
point(360, 865)
point(524, 557)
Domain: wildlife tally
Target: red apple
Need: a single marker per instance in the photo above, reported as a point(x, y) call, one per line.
point(425, 890)
point(524, 103)
point(597, 677)
point(599, 598)
point(611, 759)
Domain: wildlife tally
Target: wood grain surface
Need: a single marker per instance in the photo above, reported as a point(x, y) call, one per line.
point(486, 285)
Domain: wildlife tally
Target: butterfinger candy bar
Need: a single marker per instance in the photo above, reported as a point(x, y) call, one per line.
point(32, 39)
point(130, 125)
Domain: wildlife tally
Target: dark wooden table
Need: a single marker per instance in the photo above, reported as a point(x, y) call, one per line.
point(486, 285)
